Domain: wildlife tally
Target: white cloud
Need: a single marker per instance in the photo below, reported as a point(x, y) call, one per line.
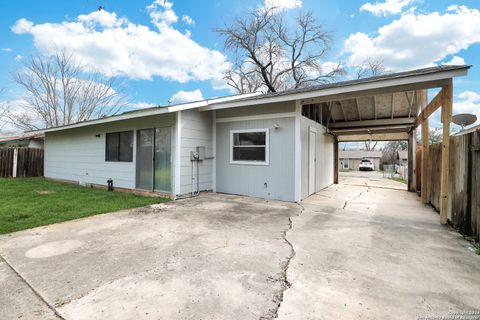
point(455, 61)
point(386, 7)
point(115, 46)
point(19, 57)
point(143, 105)
point(6, 49)
point(282, 4)
point(162, 14)
point(468, 102)
point(186, 96)
point(188, 20)
point(417, 40)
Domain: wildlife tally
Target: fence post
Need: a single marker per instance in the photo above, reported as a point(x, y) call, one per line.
point(15, 162)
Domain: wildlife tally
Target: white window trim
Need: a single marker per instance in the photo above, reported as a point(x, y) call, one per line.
point(267, 147)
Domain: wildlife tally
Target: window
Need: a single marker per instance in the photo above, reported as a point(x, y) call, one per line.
point(346, 163)
point(119, 146)
point(249, 146)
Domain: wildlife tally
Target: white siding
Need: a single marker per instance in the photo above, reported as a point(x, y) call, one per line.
point(78, 155)
point(324, 153)
point(197, 128)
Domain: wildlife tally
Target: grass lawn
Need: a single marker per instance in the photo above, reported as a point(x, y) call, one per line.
point(31, 202)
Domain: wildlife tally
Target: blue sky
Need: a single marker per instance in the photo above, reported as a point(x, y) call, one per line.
point(162, 47)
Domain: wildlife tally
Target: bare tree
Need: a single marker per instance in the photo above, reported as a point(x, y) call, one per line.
point(369, 68)
point(275, 55)
point(390, 150)
point(59, 91)
point(370, 145)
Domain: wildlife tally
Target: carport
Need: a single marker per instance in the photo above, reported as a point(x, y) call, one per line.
point(386, 108)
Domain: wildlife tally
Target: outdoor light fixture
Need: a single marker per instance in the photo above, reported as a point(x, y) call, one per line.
point(276, 126)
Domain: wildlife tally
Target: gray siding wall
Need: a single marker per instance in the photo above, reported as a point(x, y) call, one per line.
point(78, 155)
point(256, 110)
point(250, 180)
point(324, 154)
point(196, 131)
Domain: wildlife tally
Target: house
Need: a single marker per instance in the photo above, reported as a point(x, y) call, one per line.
point(402, 157)
point(281, 145)
point(33, 140)
point(350, 159)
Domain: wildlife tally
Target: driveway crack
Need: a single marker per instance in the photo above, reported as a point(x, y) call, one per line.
point(286, 284)
point(356, 197)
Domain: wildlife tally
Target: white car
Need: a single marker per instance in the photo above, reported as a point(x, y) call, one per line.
point(366, 165)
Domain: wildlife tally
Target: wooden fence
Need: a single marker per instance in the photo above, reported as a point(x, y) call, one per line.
point(25, 162)
point(464, 182)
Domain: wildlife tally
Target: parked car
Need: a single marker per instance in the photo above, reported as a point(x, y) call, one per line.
point(366, 165)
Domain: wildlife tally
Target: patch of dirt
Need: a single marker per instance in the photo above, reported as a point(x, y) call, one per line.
point(44, 192)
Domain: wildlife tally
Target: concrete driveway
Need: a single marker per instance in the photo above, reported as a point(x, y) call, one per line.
point(348, 252)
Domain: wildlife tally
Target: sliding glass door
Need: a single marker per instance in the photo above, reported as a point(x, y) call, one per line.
point(153, 168)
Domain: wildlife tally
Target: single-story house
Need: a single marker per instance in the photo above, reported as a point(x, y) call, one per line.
point(350, 159)
point(280, 145)
point(32, 140)
point(402, 157)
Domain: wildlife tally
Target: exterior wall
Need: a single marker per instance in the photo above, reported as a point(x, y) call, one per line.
point(78, 155)
point(273, 181)
point(354, 163)
point(324, 155)
point(196, 130)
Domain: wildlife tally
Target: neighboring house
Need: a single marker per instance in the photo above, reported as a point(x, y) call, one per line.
point(402, 157)
point(276, 145)
point(29, 140)
point(350, 159)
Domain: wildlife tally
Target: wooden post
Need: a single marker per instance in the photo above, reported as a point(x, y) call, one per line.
point(335, 161)
point(425, 137)
point(445, 169)
point(15, 162)
point(411, 161)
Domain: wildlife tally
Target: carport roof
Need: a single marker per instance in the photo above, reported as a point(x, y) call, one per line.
point(340, 102)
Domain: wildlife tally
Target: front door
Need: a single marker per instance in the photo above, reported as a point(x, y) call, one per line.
point(153, 168)
point(312, 158)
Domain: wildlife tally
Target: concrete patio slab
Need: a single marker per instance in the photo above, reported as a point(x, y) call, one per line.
point(212, 257)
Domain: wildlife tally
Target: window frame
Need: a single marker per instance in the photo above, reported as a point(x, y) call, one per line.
point(347, 161)
point(118, 133)
point(251, 162)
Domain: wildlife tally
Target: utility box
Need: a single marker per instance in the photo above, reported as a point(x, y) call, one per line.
point(201, 153)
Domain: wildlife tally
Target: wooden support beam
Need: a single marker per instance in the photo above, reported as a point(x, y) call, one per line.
point(335, 159)
point(375, 106)
point(393, 103)
point(425, 156)
point(412, 183)
point(372, 123)
point(358, 110)
point(447, 98)
point(343, 111)
point(410, 103)
point(431, 108)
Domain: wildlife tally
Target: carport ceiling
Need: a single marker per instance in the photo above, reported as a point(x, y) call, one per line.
point(387, 116)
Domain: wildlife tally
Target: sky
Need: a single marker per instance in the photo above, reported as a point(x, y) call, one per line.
point(165, 51)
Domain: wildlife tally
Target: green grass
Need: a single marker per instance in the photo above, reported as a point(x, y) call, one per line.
point(31, 202)
point(399, 180)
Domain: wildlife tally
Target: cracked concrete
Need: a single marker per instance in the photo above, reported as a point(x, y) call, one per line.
point(212, 257)
point(362, 249)
point(383, 256)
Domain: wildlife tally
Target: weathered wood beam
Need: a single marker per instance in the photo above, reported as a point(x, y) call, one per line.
point(374, 136)
point(425, 185)
point(335, 159)
point(447, 98)
point(375, 106)
point(431, 108)
point(412, 184)
point(358, 109)
point(372, 123)
point(410, 103)
point(393, 104)
point(343, 110)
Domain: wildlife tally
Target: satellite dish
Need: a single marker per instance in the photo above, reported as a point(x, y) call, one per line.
point(464, 119)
